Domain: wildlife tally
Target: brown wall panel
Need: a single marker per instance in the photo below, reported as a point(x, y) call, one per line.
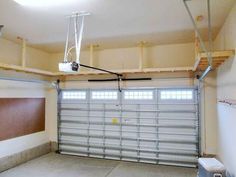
point(21, 116)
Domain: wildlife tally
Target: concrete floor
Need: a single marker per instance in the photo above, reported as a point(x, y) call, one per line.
point(55, 165)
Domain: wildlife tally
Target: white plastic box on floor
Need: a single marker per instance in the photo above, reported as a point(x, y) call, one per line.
point(210, 167)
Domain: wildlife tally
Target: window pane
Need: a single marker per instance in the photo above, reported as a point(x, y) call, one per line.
point(81, 95)
point(104, 95)
point(177, 95)
point(138, 95)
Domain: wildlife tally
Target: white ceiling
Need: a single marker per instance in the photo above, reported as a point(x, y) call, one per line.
point(113, 23)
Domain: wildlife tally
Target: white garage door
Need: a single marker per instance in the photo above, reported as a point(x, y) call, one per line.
point(144, 125)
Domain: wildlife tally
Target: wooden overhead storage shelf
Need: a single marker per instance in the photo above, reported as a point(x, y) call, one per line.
point(129, 71)
point(218, 58)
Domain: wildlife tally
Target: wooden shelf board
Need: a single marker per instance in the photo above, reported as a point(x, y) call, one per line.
point(129, 71)
point(90, 72)
point(26, 70)
point(218, 58)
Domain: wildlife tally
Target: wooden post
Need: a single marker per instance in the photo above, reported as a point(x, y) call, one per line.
point(197, 49)
point(91, 54)
point(198, 19)
point(141, 54)
point(23, 51)
point(23, 59)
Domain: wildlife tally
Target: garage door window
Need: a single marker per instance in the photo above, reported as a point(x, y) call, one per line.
point(104, 95)
point(176, 95)
point(80, 95)
point(138, 95)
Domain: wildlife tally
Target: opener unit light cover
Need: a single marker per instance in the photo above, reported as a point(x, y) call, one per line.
point(68, 67)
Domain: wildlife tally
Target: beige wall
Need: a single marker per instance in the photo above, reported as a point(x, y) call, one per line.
point(172, 55)
point(14, 89)
point(226, 89)
point(10, 53)
point(208, 115)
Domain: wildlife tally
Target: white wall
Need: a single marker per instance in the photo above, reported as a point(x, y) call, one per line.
point(226, 89)
point(13, 89)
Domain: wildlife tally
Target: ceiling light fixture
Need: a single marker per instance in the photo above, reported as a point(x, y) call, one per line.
point(43, 3)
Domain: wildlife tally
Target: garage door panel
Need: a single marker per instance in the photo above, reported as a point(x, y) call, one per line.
point(144, 125)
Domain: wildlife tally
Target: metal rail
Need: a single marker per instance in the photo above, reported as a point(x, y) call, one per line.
point(193, 160)
point(129, 110)
point(115, 147)
point(129, 131)
point(179, 141)
point(124, 117)
point(169, 148)
point(125, 124)
point(115, 104)
point(133, 159)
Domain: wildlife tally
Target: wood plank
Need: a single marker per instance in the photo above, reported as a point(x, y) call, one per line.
point(21, 116)
point(218, 58)
point(129, 71)
point(27, 70)
point(215, 54)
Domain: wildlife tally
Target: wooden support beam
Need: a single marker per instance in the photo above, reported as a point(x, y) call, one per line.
point(23, 59)
point(91, 54)
point(130, 71)
point(23, 51)
point(197, 48)
point(26, 70)
point(141, 46)
point(216, 54)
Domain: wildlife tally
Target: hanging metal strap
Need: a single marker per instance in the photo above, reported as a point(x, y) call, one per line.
point(78, 24)
point(203, 46)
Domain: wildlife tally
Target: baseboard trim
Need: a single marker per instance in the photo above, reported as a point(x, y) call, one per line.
point(24, 156)
point(54, 146)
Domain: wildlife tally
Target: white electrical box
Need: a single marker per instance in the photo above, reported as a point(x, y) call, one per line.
point(210, 167)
